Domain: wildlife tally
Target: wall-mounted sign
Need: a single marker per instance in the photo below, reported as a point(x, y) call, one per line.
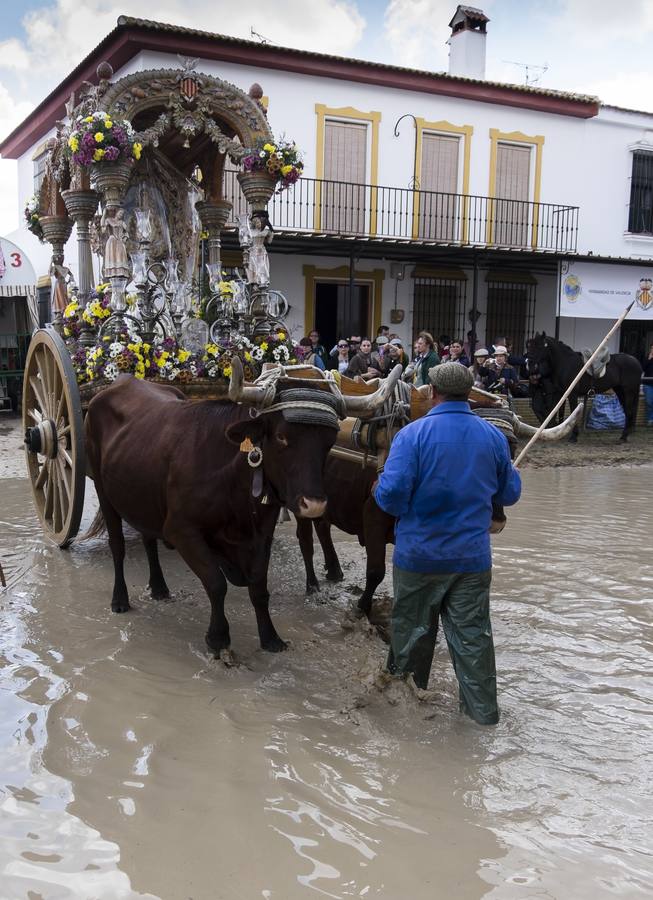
point(602, 291)
point(15, 268)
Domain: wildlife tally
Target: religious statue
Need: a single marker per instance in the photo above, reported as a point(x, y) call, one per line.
point(61, 277)
point(116, 261)
point(258, 267)
point(244, 231)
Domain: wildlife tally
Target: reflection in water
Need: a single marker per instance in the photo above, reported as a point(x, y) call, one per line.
point(131, 762)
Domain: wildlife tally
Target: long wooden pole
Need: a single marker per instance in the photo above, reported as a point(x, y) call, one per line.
point(572, 385)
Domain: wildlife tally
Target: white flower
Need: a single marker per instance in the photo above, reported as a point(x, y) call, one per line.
point(111, 371)
point(213, 373)
point(173, 374)
point(276, 353)
point(115, 349)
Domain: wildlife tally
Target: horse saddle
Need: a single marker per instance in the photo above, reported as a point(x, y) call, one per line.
point(598, 367)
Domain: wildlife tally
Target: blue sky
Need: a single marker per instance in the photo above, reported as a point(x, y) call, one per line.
point(599, 47)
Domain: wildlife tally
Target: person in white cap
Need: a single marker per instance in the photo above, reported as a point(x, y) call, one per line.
point(477, 368)
point(441, 476)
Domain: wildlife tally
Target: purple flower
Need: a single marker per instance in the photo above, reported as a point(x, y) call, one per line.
point(111, 153)
point(88, 141)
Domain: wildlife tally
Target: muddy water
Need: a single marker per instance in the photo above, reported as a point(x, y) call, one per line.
point(133, 765)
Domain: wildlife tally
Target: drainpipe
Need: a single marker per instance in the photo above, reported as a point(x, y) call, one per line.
point(472, 343)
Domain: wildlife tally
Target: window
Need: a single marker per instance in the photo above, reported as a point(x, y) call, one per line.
point(39, 171)
point(439, 305)
point(510, 309)
point(512, 209)
point(439, 202)
point(345, 166)
point(640, 214)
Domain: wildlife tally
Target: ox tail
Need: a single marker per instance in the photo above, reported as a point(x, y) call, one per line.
point(97, 528)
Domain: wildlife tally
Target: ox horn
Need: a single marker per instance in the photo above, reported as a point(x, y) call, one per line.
point(369, 402)
point(555, 433)
point(238, 390)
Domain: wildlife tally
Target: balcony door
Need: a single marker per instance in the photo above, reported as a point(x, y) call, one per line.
point(439, 202)
point(512, 211)
point(345, 169)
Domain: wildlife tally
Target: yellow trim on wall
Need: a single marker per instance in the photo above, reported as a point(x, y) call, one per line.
point(464, 131)
point(514, 137)
point(340, 274)
point(347, 113)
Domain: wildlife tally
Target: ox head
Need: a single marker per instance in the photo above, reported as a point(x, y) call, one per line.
point(296, 432)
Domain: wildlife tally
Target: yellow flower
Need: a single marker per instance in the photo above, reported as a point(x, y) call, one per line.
point(108, 123)
point(203, 235)
point(73, 143)
point(146, 348)
point(99, 137)
point(285, 170)
point(270, 148)
point(248, 356)
point(282, 336)
point(88, 119)
point(160, 361)
point(70, 310)
point(183, 355)
point(97, 155)
point(264, 345)
point(227, 371)
point(136, 150)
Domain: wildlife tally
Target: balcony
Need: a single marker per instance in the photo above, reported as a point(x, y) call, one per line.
point(335, 208)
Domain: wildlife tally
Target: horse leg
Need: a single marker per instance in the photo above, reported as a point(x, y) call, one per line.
point(304, 534)
point(629, 407)
point(573, 401)
point(157, 582)
point(331, 561)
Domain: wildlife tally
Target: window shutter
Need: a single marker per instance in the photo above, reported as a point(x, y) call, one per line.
point(438, 201)
point(345, 164)
point(512, 210)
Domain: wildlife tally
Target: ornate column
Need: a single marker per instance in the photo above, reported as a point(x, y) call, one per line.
point(213, 216)
point(81, 206)
point(57, 230)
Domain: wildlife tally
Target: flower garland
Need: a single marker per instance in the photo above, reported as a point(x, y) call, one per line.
point(282, 160)
point(98, 139)
point(33, 219)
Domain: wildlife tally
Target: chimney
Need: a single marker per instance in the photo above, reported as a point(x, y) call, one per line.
point(467, 43)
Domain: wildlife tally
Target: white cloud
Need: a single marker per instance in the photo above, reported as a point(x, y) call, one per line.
point(633, 90)
point(596, 23)
point(417, 31)
point(13, 55)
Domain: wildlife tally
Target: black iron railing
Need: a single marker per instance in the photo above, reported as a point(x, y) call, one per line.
point(364, 210)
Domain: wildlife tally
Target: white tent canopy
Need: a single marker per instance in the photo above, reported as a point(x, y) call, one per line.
point(17, 278)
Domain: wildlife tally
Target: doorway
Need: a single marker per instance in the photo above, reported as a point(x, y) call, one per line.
point(338, 314)
point(636, 337)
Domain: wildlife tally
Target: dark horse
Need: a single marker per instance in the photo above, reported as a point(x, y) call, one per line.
point(553, 360)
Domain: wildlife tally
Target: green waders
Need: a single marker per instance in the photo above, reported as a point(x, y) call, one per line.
point(463, 603)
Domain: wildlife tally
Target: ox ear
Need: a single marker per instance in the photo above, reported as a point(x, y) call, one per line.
point(254, 429)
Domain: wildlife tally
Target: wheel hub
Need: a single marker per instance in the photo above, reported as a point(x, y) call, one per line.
point(43, 439)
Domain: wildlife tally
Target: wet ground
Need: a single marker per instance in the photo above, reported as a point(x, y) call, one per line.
point(134, 765)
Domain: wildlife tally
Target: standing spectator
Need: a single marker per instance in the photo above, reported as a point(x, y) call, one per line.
point(380, 350)
point(457, 354)
point(341, 359)
point(364, 364)
point(311, 357)
point(647, 381)
point(426, 358)
point(383, 331)
point(396, 356)
point(478, 369)
point(318, 348)
point(500, 377)
point(441, 476)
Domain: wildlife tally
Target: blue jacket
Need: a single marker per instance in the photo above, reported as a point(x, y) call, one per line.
point(440, 478)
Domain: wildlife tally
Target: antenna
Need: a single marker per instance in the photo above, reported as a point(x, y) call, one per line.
point(255, 34)
point(528, 69)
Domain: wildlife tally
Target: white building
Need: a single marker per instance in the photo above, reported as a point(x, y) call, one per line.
point(429, 200)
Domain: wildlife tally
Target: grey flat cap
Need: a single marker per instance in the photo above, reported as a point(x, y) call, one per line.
point(451, 379)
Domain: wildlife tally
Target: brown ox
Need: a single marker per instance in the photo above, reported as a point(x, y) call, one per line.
point(352, 508)
point(174, 470)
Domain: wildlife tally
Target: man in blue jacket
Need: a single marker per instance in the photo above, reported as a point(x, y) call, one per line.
point(440, 478)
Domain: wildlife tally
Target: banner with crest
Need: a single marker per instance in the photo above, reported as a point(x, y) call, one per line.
point(601, 290)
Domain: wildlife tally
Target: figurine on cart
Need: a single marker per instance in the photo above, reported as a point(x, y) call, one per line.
point(258, 267)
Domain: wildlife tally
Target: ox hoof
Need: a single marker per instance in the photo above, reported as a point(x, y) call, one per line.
point(334, 574)
point(312, 587)
point(160, 593)
point(274, 645)
point(228, 658)
point(120, 606)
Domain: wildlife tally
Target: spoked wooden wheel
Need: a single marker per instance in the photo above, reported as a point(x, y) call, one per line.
point(54, 438)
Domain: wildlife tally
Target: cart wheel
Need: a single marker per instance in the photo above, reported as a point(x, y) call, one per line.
point(54, 437)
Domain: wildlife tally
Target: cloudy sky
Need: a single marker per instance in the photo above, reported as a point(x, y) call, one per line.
point(599, 47)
